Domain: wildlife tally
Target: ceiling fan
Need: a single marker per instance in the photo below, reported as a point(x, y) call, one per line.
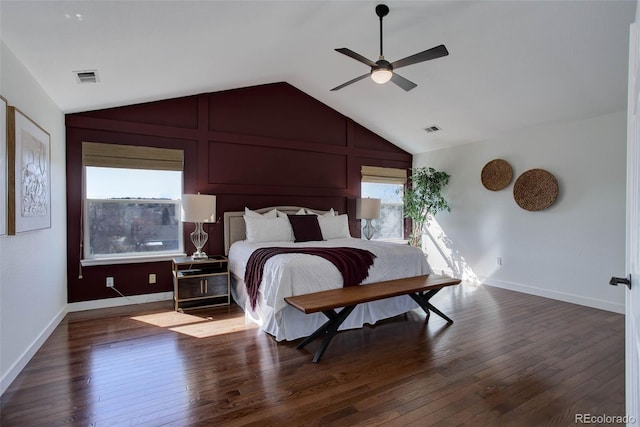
point(382, 70)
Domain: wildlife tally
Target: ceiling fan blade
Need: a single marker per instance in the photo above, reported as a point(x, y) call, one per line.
point(402, 82)
point(351, 81)
point(433, 53)
point(356, 56)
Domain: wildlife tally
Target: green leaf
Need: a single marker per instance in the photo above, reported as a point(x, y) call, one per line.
point(424, 199)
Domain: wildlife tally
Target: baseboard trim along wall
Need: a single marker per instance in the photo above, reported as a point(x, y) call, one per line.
point(560, 296)
point(117, 302)
point(18, 366)
point(13, 372)
point(532, 290)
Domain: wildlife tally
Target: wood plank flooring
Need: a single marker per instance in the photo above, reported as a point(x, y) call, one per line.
point(509, 359)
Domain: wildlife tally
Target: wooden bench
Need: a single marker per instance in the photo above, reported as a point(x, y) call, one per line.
point(420, 288)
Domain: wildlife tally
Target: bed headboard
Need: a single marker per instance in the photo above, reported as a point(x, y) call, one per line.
point(234, 227)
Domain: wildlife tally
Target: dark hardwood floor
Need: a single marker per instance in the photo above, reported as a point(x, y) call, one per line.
point(509, 359)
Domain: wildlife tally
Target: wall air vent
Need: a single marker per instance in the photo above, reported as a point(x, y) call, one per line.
point(87, 76)
point(433, 128)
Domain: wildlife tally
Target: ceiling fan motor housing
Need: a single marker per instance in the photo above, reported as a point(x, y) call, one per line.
point(382, 10)
point(382, 64)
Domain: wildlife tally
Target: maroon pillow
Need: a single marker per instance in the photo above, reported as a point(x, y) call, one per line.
point(305, 227)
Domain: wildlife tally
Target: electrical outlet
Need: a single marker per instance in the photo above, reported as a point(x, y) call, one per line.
point(109, 282)
point(499, 260)
point(152, 278)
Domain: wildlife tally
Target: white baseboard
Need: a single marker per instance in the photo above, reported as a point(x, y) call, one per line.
point(25, 357)
point(18, 366)
point(546, 293)
point(117, 302)
point(560, 296)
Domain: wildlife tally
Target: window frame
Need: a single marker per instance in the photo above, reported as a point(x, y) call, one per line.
point(129, 157)
point(391, 176)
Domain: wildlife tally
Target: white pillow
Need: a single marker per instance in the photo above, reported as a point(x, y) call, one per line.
point(330, 212)
point(334, 227)
point(261, 229)
point(253, 214)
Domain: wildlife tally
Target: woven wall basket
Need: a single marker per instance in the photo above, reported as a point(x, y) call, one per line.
point(535, 190)
point(496, 175)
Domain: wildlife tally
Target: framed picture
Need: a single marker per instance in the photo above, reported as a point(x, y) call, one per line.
point(3, 166)
point(29, 174)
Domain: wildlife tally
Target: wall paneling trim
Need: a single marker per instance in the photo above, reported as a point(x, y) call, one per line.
point(257, 146)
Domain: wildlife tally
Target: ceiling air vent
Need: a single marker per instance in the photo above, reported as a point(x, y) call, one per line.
point(431, 129)
point(87, 76)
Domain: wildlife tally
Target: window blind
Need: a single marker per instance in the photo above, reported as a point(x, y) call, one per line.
point(131, 157)
point(384, 175)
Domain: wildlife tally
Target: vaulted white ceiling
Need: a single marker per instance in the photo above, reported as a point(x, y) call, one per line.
point(512, 64)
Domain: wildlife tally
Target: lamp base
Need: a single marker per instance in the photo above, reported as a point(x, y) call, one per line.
point(199, 255)
point(199, 238)
point(368, 230)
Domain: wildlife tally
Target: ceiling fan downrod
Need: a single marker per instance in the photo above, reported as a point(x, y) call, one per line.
point(381, 10)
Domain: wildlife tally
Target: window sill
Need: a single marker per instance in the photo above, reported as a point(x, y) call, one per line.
point(131, 260)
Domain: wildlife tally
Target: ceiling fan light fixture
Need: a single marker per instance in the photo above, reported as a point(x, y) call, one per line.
point(381, 75)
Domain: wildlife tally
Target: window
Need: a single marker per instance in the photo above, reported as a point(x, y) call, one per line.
point(130, 212)
point(391, 222)
point(386, 184)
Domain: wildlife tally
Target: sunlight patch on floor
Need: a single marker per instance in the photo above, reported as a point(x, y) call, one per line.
point(168, 319)
point(196, 326)
point(214, 327)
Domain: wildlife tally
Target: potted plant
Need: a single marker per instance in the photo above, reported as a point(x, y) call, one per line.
point(423, 199)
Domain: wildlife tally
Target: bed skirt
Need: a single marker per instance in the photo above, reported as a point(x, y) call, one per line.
point(291, 324)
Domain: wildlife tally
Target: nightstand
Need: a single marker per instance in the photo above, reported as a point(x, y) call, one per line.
point(200, 282)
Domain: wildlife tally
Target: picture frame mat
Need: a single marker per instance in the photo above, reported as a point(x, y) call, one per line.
point(29, 174)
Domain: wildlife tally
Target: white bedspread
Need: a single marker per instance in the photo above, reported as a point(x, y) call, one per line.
point(297, 274)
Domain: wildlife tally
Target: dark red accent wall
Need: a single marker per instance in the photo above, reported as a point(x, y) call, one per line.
point(258, 146)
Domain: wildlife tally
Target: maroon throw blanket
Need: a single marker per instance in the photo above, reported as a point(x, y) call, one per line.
point(352, 263)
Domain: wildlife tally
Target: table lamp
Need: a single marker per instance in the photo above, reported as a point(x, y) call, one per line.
point(368, 209)
point(199, 208)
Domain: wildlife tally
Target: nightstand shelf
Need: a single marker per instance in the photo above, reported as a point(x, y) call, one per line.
point(200, 282)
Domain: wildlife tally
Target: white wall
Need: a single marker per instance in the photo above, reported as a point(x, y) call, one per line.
point(568, 251)
point(33, 278)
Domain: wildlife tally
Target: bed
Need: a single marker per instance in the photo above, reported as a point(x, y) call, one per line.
point(297, 274)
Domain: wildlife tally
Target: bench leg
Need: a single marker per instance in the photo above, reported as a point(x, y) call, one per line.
point(423, 301)
point(329, 330)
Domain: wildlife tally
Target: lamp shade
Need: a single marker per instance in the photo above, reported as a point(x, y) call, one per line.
point(198, 208)
point(368, 208)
